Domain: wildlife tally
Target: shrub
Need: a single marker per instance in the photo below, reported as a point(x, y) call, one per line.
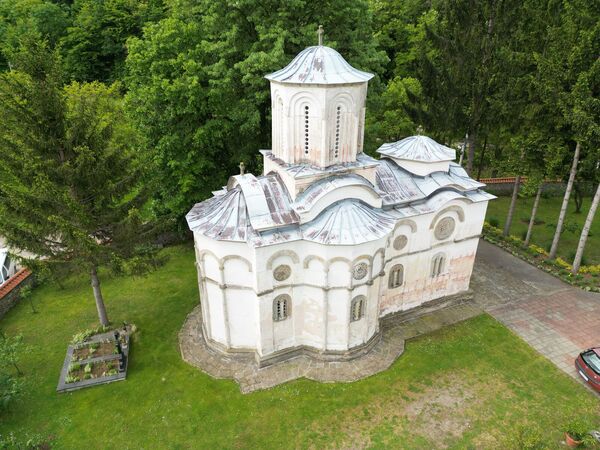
point(562, 264)
point(577, 429)
point(494, 222)
point(74, 367)
point(84, 335)
point(525, 438)
point(88, 368)
point(10, 389)
point(592, 270)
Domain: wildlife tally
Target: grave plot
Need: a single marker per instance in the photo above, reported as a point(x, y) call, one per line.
point(99, 359)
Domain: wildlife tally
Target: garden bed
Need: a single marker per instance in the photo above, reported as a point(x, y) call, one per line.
point(587, 279)
point(98, 359)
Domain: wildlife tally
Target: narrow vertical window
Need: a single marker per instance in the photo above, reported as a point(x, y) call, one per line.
point(437, 266)
point(281, 307)
point(306, 129)
point(336, 147)
point(357, 308)
point(396, 276)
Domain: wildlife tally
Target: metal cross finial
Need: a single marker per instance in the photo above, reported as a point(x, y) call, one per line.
point(320, 34)
point(242, 168)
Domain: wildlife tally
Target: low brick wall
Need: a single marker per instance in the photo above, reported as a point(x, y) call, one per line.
point(9, 291)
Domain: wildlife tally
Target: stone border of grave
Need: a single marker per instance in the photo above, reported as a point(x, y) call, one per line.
point(63, 386)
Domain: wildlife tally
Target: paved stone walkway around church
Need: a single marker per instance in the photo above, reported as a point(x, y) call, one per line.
point(244, 370)
point(556, 319)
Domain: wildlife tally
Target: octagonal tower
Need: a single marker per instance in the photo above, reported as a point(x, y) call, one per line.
point(318, 104)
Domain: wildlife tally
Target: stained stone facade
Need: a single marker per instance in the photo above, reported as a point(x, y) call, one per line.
point(309, 257)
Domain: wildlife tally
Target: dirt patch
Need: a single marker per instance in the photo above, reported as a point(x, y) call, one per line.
point(93, 350)
point(437, 414)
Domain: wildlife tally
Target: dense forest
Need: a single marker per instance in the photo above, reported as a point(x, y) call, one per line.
point(179, 90)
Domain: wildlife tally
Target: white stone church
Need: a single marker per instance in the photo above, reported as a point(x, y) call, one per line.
point(307, 258)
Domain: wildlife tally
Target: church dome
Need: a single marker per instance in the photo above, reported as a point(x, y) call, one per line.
point(418, 148)
point(319, 65)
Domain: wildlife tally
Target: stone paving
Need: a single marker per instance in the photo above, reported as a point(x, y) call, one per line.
point(556, 319)
point(243, 368)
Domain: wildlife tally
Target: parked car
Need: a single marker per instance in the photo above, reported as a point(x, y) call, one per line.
point(8, 266)
point(588, 366)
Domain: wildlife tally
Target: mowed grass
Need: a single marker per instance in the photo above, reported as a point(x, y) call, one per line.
point(543, 233)
point(472, 384)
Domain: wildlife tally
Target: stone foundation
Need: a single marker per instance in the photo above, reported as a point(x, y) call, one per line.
point(374, 357)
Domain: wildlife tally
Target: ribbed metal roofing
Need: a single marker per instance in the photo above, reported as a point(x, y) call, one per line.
point(400, 186)
point(418, 148)
point(305, 201)
point(319, 65)
point(252, 205)
point(348, 222)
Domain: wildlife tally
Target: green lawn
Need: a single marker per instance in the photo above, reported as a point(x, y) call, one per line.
point(472, 384)
point(544, 232)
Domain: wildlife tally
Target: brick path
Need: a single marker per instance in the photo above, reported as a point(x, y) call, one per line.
point(556, 319)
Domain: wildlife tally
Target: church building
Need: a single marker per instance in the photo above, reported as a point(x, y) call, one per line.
point(310, 256)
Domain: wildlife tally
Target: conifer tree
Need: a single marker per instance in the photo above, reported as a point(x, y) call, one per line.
point(71, 171)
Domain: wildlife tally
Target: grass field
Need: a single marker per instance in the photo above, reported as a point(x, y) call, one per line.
point(544, 232)
point(474, 384)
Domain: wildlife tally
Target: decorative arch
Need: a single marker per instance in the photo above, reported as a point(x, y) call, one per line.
point(340, 259)
point(231, 257)
point(453, 208)
point(382, 252)
point(289, 253)
point(411, 223)
point(309, 258)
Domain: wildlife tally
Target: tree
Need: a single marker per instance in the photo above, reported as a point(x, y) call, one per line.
point(41, 18)
point(511, 208)
point(565, 203)
point(72, 170)
point(11, 349)
point(536, 203)
point(585, 231)
point(94, 46)
point(197, 88)
point(463, 71)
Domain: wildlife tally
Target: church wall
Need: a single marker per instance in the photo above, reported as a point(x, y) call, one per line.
point(422, 246)
point(321, 285)
point(227, 291)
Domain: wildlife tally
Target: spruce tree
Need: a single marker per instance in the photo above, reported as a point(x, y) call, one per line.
point(71, 171)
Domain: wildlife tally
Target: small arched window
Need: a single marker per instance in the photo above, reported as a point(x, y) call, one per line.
point(437, 265)
point(281, 307)
point(396, 276)
point(357, 308)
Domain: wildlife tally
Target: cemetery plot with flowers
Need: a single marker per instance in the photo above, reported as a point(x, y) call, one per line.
point(96, 357)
